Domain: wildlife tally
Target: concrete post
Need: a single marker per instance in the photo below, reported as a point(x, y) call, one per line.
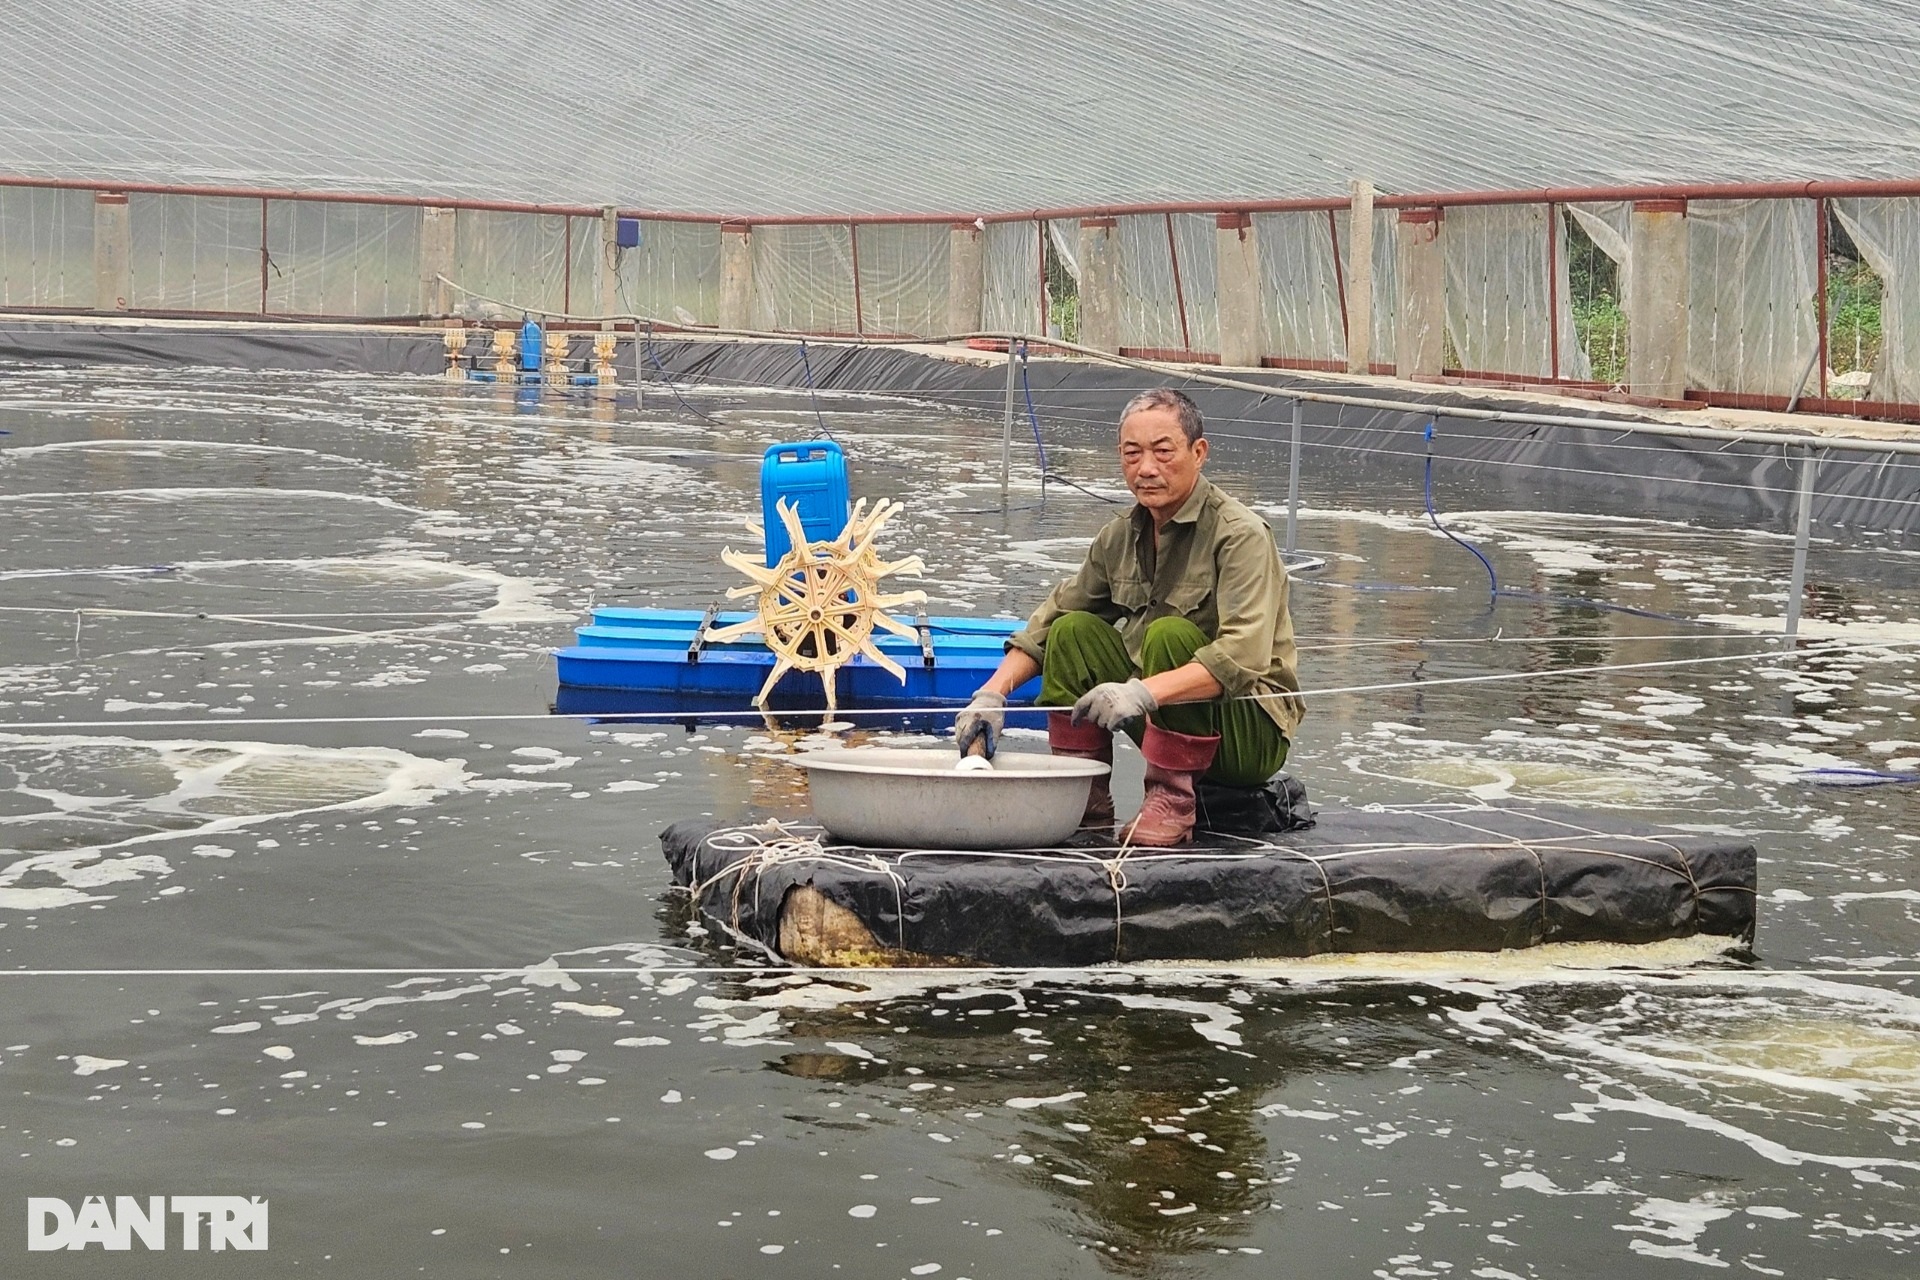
point(1420, 345)
point(1657, 299)
point(609, 263)
point(436, 260)
point(1237, 290)
point(1100, 284)
point(1360, 279)
point(736, 276)
point(112, 251)
point(966, 258)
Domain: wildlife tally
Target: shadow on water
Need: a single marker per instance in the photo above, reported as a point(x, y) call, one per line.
point(1148, 1137)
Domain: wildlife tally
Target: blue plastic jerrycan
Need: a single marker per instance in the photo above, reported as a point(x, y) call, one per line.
point(813, 478)
point(532, 345)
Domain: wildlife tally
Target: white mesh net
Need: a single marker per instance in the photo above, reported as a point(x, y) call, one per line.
point(1305, 318)
point(343, 259)
point(519, 258)
point(904, 279)
point(1750, 305)
point(195, 254)
point(46, 248)
point(803, 279)
point(674, 273)
point(1010, 293)
point(1501, 311)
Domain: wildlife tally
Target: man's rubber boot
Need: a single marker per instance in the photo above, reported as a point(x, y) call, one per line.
point(1175, 762)
point(1086, 742)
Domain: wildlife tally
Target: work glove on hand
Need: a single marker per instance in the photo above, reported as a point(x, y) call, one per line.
point(984, 718)
point(1111, 705)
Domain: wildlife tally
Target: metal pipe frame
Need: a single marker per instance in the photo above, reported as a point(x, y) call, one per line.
point(1553, 290)
point(1816, 190)
point(1820, 297)
point(1797, 189)
point(1046, 318)
point(1339, 277)
point(1006, 426)
point(1179, 293)
point(1802, 535)
point(853, 251)
point(1293, 482)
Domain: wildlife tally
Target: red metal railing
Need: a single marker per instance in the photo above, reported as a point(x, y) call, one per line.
point(1554, 198)
point(1809, 189)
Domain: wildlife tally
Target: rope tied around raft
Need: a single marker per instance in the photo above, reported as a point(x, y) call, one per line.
point(771, 844)
point(776, 844)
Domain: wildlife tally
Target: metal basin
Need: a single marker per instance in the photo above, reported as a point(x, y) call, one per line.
point(914, 798)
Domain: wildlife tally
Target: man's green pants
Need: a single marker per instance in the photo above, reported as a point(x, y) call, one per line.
point(1082, 651)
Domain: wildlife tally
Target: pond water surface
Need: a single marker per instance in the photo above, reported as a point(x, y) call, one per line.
point(417, 977)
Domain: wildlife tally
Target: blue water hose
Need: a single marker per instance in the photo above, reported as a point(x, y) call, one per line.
point(1496, 591)
point(1493, 579)
point(813, 393)
point(1047, 473)
point(1033, 418)
point(668, 378)
point(1844, 777)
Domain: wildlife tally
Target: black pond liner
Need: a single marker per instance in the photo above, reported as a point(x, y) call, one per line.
point(1403, 878)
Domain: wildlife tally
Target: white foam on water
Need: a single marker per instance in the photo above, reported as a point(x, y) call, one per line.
point(622, 468)
point(1857, 631)
point(1509, 764)
point(1028, 1104)
point(517, 601)
point(195, 493)
point(357, 1007)
point(162, 448)
point(1680, 1221)
point(1060, 555)
point(1559, 557)
point(29, 679)
point(1397, 522)
point(1770, 1149)
point(1788, 1033)
point(589, 1010)
point(1215, 1021)
point(87, 1065)
point(215, 787)
point(1550, 962)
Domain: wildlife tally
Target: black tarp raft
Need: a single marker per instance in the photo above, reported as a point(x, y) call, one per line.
point(1405, 878)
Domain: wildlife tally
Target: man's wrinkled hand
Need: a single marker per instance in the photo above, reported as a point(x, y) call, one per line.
point(1112, 705)
point(983, 718)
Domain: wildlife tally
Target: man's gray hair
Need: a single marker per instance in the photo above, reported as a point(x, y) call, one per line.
point(1167, 398)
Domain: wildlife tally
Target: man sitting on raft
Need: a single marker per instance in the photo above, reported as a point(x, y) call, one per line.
point(1175, 630)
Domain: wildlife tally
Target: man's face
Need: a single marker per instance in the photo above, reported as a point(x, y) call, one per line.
point(1160, 467)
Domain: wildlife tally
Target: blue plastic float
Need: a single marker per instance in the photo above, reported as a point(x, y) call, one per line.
point(660, 653)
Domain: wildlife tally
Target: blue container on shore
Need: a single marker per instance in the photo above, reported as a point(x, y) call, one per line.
point(813, 478)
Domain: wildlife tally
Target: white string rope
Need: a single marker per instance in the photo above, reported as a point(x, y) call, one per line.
point(774, 844)
point(101, 611)
point(1369, 642)
point(688, 713)
point(749, 969)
